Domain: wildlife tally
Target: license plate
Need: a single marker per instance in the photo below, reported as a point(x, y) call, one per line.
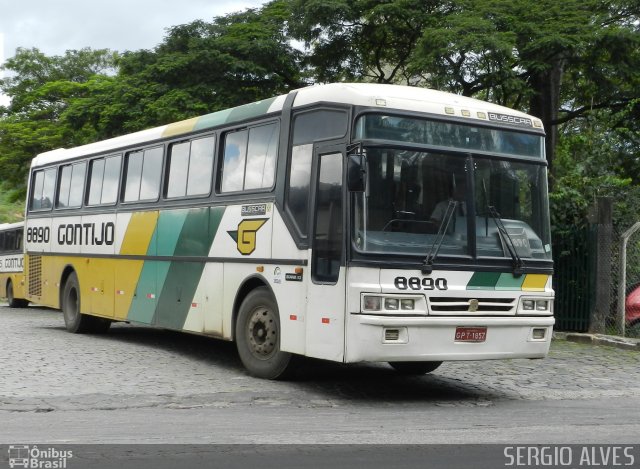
point(471, 334)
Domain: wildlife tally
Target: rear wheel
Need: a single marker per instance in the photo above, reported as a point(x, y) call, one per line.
point(12, 300)
point(258, 336)
point(74, 320)
point(414, 368)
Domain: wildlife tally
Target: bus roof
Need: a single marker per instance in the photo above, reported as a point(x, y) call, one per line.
point(11, 226)
point(381, 96)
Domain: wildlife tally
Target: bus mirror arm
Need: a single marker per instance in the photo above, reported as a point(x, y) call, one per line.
point(356, 172)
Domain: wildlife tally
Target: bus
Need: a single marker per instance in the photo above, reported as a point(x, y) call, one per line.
point(308, 225)
point(11, 264)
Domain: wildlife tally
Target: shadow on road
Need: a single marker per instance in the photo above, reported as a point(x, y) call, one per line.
point(362, 382)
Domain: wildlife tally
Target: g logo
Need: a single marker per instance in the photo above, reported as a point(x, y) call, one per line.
point(245, 236)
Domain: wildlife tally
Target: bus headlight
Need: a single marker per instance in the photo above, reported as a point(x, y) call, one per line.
point(407, 304)
point(372, 303)
point(391, 304)
point(383, 304)
point(536, 306)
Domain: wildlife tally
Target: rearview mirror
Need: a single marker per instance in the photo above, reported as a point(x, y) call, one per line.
point(356, 172)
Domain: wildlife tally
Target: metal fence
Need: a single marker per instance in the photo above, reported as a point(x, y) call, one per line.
point(574, 277)
point(625, 252)
point(595, 271)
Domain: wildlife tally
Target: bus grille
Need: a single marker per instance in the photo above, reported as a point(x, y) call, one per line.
point(35, 276)
point(444, 305)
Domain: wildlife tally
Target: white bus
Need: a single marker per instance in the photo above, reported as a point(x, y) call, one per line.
point(11, 264)
point(347, 222)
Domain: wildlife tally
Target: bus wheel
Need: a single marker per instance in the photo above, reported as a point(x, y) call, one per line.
point(74, 320)
point(12, 300)
point(414, 368)
point(258, 336)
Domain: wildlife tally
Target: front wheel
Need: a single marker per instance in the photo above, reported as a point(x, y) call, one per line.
point(74, 320)
point(12, 300)
point(414, 368)
point(258, 336)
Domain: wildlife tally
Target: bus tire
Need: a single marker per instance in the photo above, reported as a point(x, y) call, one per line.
point(12, 300)
point(74, 320)
point(414, 368)
point(257, 334)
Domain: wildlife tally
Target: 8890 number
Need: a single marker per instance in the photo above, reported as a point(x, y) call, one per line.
point(38, 234)
point(417, 283)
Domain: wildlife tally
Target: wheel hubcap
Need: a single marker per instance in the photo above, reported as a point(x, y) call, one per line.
point(71, 305)
point(262, 333)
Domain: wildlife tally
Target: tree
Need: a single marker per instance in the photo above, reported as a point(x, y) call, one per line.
point(198, 68)
point(41, 88)
point(368, 40)
point(556, 60)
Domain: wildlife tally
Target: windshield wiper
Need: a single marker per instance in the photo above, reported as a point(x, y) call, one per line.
point(427, 265)
point(518, 264)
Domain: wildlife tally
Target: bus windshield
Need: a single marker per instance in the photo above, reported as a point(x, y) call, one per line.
point(484, 206)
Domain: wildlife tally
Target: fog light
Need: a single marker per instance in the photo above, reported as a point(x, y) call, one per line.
point(407, 304)
point(391, 304)
point(528, 305)
point(372, 303)
point(542, 305)
point(539, 333)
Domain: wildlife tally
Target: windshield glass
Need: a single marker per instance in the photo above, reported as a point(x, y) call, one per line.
point(450, 135)
point(408, 193)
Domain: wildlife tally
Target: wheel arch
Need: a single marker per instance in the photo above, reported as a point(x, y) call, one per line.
point(66, 272)
point(248, 285)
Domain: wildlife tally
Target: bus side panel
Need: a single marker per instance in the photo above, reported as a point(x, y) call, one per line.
point(190, 233)
point(136, 289)
point(326, 319)
point(37, 241)
point(289, 288)
point(3, 284)
point(244, 237)
point(98, 237)
point(11, 268)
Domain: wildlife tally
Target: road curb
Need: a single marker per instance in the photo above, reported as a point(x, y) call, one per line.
point(624, 343)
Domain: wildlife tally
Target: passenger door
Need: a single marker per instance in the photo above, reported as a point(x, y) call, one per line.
point(326, 287)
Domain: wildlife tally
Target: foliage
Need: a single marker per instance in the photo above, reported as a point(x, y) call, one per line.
point(199, 68)
point(575, 64)
point(596, 158)
point(41, 89)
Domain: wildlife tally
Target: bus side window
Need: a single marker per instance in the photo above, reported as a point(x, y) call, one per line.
point(308, 127)
point(249, 158)
point(190, 167)
point(44, 184)
point(70, 185)
point(327, 252)
point(142, 178)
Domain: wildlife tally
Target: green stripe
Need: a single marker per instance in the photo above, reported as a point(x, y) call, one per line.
point(143, 308)
point(509, 282)
point(483, 281)
point(236, 114)
point(179, 286)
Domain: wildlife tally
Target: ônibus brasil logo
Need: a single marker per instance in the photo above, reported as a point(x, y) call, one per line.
point(36, 458)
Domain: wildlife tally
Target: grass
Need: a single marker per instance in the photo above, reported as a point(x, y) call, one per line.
point(10, 209)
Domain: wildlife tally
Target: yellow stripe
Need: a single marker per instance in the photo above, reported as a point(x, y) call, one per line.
point(139, 233)
point(136, 242)
point(181, 127)
point(535, 282)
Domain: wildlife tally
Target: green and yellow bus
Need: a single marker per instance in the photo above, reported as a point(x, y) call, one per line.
point(347, 222)
point(11, 264)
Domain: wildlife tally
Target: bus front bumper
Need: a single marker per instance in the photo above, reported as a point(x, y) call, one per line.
point(384, 339)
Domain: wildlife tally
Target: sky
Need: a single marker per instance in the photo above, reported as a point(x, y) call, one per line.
point(54, 26)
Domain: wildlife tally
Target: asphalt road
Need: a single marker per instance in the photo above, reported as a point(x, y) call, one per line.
point(142, 385)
